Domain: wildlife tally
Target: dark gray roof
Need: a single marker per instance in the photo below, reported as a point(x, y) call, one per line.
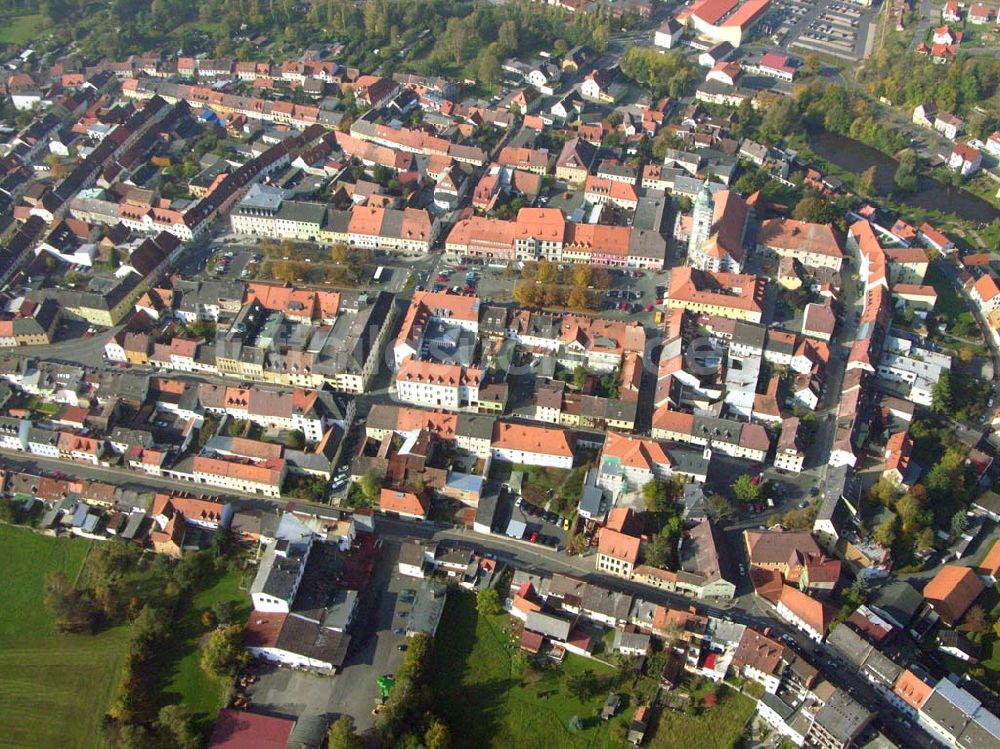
point(427, 608)
point(749, 334)
point(277, 573)
point(609, 603)
point(897, 601)
point(305, 637)
point(548, 625)
point(849, 645)
point(843, 717)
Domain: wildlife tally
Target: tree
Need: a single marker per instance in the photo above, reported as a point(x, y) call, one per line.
point(224, 653)
point(488, 602)
point(660, 551)
point(884, 492)
point(342, 734)
point(438, 735)
point(815, 209)
point(8, 511)
point(339, 254)
point(718, 506)
point(577, 298)
point(526, 293)
point(924, 541)
point(780, 119)
point(71, 608)
point(580, 686)
point(546, 272)
point(488, 66)
point(885, 533)
point(582, 274)
point(812, 65)
point(942, 398)
point(975, 621)
point(580, 376)
point(371, 486)
point(178, 721)
point(906, 178)
point(227, 612)
point(661, 495)
point(959, 522)
point(579, 543)
point(744, 489)
point(865, 185)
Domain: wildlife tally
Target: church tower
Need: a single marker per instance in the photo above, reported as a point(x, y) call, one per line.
point(701, 219)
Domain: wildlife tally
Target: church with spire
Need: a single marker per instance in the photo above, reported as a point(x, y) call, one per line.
point(718, 229)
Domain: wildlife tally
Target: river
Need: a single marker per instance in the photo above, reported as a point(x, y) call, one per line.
point(855, 157)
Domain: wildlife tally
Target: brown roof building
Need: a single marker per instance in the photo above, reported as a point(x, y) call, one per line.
point(783, 551)
point(952, 591)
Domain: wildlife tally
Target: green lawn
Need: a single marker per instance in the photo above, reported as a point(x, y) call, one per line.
point(27, 559)
point(54, 689)
point(186, 681)
point(20, 29)
point(719, 727)
point(481, 695)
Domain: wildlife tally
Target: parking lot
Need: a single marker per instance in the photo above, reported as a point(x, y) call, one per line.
point(638, 291)
point(539, 525)
point(832, 27)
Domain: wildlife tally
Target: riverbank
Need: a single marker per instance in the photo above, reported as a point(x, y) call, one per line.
point(931, 201)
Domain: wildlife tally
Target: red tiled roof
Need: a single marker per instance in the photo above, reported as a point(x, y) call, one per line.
point(408, 503)
point(952, 591)
point(814, 613)
point(618, 545)
point(236, 729)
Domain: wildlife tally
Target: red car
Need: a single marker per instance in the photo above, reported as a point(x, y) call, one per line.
point(623, 306)
point(468, 288)
point(533, 537)
point(442, 278)
point(649, 308)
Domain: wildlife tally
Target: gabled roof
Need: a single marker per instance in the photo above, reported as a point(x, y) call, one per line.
point(952, 591)
point(238, 729)
point(991, 562)
point(759, 652)
point(408, 503)
point(532, 439)
point(788, 234)
point(618, 545)
point(780, 547)
point(913, 690)
point(816, 614)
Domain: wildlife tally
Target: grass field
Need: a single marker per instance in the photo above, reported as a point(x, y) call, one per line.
point(54, 689)
point(484, 700)
point(186, 681)
point(20, 29)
